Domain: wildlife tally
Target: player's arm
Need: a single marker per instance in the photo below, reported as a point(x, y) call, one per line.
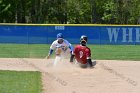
point(71, 50)
point(70, 46)
point(89, 61)
point(50, 53)
point(52, 47)
point(73, 55)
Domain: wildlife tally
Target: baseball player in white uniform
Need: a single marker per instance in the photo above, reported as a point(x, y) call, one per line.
point(61, 46)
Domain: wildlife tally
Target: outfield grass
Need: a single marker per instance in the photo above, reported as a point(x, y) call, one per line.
point(20, 82)
point(115, 52)
point(23, 50)
point(103, 52)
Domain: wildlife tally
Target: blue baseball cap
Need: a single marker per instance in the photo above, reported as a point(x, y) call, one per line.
point(59, 35)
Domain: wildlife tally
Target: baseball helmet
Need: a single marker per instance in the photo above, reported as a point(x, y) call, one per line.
point(83, 38)
point(59, 35)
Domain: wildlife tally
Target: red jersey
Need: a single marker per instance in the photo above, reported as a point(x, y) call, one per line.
point(82, 53)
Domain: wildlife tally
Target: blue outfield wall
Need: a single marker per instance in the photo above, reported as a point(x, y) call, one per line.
point(46, 34)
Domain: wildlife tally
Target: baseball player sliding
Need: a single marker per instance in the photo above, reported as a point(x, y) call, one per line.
point(62, 48)
point(82, 53)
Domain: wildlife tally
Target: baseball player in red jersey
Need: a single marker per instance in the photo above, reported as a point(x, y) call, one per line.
point(82, 53)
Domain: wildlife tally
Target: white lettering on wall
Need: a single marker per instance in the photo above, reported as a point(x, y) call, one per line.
point(137, 35)
point(113, 32)
point(125, 35)
point(59, 27)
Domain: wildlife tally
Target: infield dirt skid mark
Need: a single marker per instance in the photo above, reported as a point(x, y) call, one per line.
point(106, 77)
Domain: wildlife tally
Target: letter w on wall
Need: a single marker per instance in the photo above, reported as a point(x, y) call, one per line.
point(113, 32)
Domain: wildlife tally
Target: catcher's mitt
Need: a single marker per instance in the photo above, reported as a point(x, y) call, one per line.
point(58, 51)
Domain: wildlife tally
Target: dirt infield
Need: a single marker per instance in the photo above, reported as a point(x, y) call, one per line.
point(106, 77)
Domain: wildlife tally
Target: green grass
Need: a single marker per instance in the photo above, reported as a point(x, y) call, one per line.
point(115, 52)
point(103, 52)
point(23, 50)
point(20, 82)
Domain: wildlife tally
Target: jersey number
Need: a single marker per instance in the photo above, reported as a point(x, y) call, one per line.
point(81, 54)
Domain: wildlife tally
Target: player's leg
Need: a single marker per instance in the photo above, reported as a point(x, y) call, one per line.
point(57, 56)
point(83, 65)
point(66, 54)
point(80, 64)
point(57, 60)
point(90, 63)
point(94, 63)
